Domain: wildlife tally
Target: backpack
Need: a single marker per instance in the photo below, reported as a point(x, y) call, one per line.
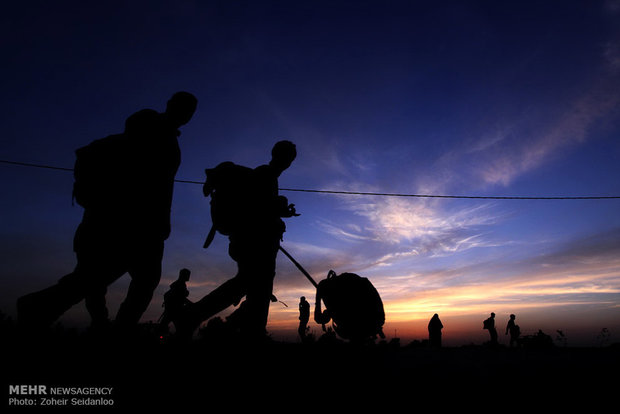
point(230, 187)
point(486, 324)
point(352, 303)
point(97, 172)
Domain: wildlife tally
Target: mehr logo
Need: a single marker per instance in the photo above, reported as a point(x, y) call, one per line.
point(27, 390)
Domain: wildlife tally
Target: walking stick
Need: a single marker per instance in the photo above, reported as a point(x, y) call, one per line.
point(299, 267)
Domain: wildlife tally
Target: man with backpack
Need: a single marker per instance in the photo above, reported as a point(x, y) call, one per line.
point(246, 206)
point(489, 324)
point(125, 184)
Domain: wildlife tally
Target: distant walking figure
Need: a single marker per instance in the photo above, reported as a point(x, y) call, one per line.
point(304, 316)
point(489, 324)
point(514, 330)
point(175, 299)
point(434, 331)
point(246, 206)
point(125, 184)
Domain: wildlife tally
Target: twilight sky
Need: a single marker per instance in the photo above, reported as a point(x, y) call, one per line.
point(517, 98)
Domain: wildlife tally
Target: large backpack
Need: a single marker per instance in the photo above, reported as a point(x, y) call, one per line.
point(230, 187)
point(352, 303)
point(99, 172)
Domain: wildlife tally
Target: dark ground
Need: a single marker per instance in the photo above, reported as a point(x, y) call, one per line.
point(219, 376)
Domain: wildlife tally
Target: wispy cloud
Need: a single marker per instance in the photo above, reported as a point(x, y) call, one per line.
point(508, 147)
point(396, 220)
point(505, 154)
point(416, 227)
point(347, 231)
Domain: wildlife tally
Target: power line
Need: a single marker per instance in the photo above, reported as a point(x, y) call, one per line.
point(33, 165)
point(28, 164)
point(454, 196)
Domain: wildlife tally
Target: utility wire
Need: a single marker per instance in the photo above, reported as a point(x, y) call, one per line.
point(27, 164)
point(453, 196)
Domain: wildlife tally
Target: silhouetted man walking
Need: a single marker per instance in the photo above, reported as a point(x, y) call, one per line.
point(125, 184)
point(489, 324)
point(175, 299)
point(255, 229)
point(304, 316)
point(514, 330)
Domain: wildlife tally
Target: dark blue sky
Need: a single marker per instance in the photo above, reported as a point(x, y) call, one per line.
point(445, 97)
